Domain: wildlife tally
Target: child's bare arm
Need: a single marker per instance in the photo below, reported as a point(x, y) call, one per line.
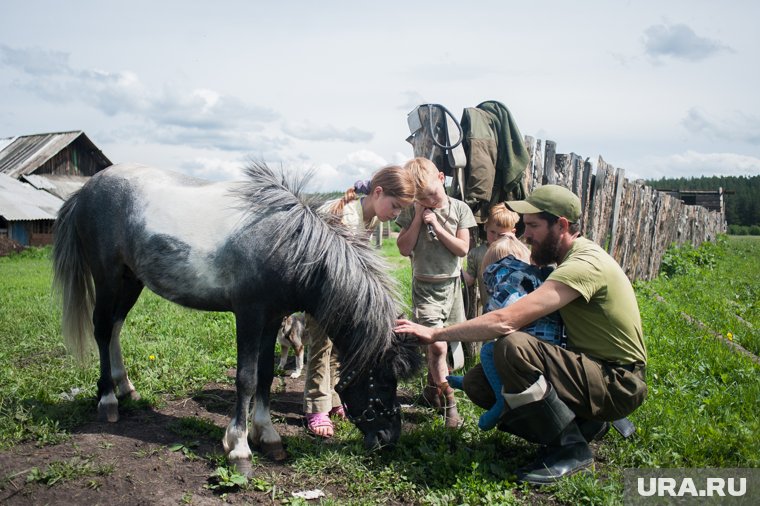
point(468, 279)
point(458, 244)
point(407, 237)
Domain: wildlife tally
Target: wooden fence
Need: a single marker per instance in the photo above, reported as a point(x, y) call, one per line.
point(634, 222)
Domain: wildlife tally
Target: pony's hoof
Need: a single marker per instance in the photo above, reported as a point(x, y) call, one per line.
point(108, 413)
point(274, 451)
point(242, 466)
point(132, 395)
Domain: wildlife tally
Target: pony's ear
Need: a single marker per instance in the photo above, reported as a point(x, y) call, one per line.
point(407, 359)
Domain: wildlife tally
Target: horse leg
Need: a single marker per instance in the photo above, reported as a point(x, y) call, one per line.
point(284, 349)
point(299, 362)
point(102, 317)
point(248, 329)
point(263, 433)
point(130, 292)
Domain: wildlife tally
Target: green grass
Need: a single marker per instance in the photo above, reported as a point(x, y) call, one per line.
point(60, 471)
point(44, 393)
point(721, 283)
point(401, 269)
point(702, 409)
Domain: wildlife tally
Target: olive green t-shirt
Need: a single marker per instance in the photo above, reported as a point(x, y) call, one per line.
point(431, 260)
point(604, 322)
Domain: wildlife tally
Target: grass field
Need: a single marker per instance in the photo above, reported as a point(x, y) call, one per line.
point(703, 408)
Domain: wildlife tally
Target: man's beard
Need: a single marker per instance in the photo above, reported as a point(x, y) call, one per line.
point(546, 252)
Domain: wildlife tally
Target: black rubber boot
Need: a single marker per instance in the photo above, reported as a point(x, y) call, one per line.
point(549, 422)
point(593, 430)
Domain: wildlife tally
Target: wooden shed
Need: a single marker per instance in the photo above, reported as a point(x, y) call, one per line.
point(710, 199)
point(47, 169)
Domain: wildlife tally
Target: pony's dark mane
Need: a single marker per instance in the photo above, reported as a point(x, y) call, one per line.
point(359, 300)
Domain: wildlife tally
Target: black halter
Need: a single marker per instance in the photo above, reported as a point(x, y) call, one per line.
point(375, 407)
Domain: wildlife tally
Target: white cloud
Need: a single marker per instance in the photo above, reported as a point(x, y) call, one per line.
point(357, 165)
point(309, 132)
point(400, 158)
point(173, 115)
point(679, 41)
point(214, 169)
point(411, 99)
point(694, 164)
point(737, 127)
point(194, 109)
point(35, 61)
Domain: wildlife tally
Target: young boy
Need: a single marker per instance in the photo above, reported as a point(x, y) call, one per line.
point(435, 234)
point(501, 221)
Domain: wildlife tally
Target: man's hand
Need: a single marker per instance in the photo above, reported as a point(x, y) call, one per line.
point(424, 335)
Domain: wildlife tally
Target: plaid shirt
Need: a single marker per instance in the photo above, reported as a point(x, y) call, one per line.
point(510, 279)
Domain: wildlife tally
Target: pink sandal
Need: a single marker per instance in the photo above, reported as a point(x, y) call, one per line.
point(338, 412)
point(319, 424)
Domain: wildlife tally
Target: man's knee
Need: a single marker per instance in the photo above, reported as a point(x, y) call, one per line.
point(514, 349)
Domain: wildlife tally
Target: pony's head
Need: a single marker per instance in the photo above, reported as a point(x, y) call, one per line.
point(369, 394)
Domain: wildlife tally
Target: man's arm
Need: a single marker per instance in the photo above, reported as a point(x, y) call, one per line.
point(549, 297)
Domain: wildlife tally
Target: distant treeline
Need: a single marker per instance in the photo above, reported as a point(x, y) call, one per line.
point(742, 206)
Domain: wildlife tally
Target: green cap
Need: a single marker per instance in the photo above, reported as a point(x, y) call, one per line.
point(551, 198)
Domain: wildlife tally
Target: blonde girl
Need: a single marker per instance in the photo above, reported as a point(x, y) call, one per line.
point(386, 194)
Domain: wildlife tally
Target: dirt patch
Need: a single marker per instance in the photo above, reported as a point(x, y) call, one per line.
point(136, 461)
point(8, 246)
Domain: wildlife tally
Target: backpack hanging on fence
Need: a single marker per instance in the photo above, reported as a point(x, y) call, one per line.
point(486, 162)
point(496, 157)
point(431, 127)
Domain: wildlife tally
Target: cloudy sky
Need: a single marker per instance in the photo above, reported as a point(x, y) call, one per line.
point(659, 88)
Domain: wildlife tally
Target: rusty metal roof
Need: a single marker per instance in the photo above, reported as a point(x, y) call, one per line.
point(24, 154)
point(59, 185)
point(21, 202)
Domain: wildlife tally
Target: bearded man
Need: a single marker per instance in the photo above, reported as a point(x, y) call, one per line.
point(559, 397)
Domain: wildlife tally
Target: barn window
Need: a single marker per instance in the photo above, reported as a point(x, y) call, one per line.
point(42, 227)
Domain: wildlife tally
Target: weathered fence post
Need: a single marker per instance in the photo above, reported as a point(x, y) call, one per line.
point(615, 217)
point(549, 161)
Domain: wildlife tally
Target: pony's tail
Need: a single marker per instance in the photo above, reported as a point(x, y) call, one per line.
point(72, 280)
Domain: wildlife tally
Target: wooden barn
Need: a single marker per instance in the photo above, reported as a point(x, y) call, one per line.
point(710, 199)
point(38, 173)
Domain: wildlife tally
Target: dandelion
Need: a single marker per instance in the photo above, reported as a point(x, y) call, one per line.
point(151, 357)
point(730, 336)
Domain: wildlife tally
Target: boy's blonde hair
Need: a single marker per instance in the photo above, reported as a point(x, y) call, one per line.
point(421, 170)
point(507, 245)
point(501, 216)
